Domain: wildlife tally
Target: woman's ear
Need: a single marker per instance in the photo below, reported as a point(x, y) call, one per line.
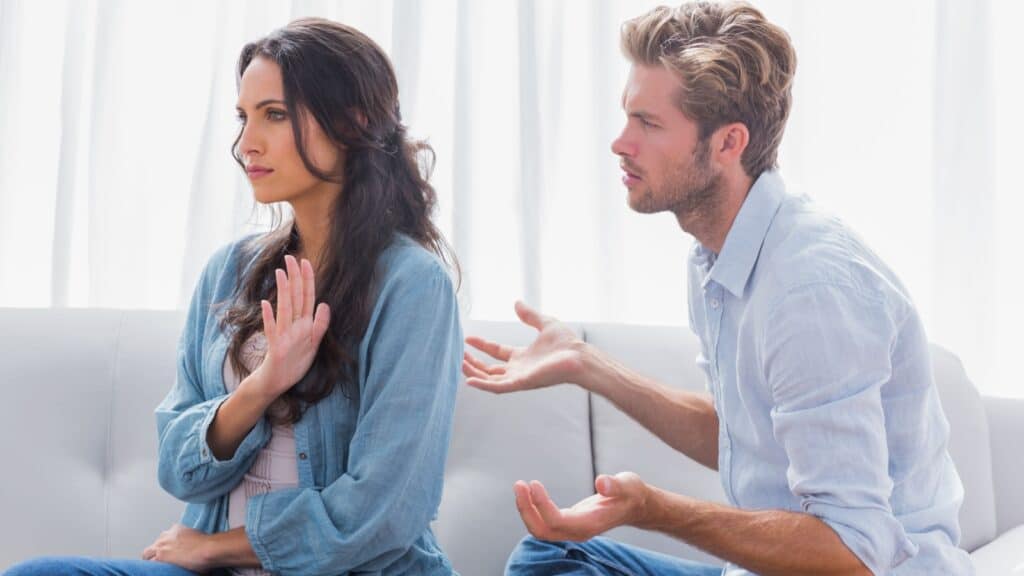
point(359, 116)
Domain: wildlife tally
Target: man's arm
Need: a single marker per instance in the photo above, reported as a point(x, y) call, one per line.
point(683, 420)
point(686, 421)
point(767, 542)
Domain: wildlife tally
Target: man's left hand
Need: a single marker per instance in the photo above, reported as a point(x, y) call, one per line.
point(182, 546)
point(620, 500)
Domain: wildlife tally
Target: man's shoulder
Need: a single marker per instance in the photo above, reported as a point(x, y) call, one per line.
point(807, 246)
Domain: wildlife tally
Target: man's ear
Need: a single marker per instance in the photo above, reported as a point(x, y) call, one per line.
point(729, 142)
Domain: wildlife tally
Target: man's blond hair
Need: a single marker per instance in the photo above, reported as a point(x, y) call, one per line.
point(735, 66)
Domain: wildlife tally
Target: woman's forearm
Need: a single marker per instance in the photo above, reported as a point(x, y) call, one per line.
point(231, 548)
point(236, 417)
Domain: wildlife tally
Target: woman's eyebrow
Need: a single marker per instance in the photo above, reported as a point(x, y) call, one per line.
point(263, 103)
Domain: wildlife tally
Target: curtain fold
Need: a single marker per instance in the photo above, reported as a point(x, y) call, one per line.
point(116, 181)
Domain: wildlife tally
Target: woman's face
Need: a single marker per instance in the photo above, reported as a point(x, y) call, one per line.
point(267, 143)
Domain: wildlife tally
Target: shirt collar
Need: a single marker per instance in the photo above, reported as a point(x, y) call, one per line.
point(733, 266)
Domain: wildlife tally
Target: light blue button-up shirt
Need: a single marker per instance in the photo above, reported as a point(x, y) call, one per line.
point(370, 466)
point(820, 371)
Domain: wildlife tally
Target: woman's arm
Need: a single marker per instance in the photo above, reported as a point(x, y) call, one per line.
point(369, 517)
point(293, 338)
point(186, 467)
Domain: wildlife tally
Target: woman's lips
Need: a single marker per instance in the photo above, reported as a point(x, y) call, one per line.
point(255, 173)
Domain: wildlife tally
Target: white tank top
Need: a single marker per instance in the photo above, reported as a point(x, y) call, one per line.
point(276, 466)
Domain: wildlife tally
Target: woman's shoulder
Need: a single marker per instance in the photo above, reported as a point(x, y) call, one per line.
point(406, 260)
point(225, 264)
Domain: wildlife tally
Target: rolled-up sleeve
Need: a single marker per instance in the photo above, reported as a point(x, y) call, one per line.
point(826, 355)
point(187, 468)
point(369, 517)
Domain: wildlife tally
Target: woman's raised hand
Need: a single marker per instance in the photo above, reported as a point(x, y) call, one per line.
point(294, 336)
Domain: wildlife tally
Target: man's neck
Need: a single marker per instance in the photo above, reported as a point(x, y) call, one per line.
point(712, 228)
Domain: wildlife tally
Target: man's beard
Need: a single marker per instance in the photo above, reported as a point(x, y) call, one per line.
point(687, 192)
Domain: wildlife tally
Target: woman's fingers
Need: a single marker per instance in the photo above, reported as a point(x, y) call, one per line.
point(284, 301)
point(321, 321)
point(295, 282)
point(269, 326)
point(308, 289)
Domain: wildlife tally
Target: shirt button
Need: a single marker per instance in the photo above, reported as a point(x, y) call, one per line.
point(302, 455)
point(715, 303)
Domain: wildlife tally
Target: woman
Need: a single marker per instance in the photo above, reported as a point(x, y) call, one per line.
point(311, 438)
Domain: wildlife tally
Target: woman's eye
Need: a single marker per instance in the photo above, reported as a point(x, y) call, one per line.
point(276, 115)
point(240, 118)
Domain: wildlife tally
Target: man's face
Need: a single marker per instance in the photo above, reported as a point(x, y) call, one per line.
point(666, 165)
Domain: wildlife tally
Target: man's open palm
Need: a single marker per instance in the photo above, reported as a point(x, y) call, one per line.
point(553, 358)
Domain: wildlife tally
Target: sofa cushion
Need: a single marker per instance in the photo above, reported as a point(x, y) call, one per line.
point(669, 355)
point(969, 447)
point(55, 380)
point(1006, 428)
point(144, 371)
point(536, 435)
point(1002, 556)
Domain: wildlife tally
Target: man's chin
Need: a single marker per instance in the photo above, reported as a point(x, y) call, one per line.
point(641, 200)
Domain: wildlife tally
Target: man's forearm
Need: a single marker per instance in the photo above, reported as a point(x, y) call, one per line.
point(235, 418)
point(684, 420)
point(767, 542)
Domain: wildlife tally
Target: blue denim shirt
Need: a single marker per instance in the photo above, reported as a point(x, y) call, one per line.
point(370, 467)
point(820, 371)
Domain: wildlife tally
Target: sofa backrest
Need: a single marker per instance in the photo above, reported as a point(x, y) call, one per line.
point(536, 435)
point(1006, 434)
point(667, 354)
point(79, 388)
point(969, 446)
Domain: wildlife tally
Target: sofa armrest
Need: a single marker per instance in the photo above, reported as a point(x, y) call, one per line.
point(1006, 429)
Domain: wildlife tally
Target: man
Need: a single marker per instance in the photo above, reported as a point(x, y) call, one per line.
point(822, 419)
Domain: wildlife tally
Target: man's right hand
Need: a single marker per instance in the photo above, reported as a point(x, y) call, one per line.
point(554, 357)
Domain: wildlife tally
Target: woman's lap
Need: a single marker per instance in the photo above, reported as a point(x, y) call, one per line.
point(83, 566)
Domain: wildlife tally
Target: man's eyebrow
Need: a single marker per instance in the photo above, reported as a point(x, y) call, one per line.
point(263, 103)
point(644, 115)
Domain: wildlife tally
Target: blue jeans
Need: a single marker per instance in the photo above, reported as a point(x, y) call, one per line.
point(597, 557)
point(80, 566)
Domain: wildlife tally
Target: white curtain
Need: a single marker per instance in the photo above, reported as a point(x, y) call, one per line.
point(116, 118)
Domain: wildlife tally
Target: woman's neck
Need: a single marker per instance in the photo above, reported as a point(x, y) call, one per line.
point(313, 215)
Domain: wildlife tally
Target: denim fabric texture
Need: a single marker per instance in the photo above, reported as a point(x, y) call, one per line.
point(597, 557)
point(84, 566)
point(371, 465)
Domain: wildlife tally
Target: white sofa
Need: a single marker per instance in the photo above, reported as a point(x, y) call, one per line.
point(79, 388)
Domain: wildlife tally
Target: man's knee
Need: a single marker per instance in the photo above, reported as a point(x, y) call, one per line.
point(530, 551)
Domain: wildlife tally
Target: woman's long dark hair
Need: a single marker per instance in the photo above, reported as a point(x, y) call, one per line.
point(341, 77)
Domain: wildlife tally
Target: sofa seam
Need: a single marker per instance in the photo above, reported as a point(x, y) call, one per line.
point(590, 424)
point(108, 457)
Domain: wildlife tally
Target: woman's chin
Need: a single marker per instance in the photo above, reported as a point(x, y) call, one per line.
point(265, 196)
